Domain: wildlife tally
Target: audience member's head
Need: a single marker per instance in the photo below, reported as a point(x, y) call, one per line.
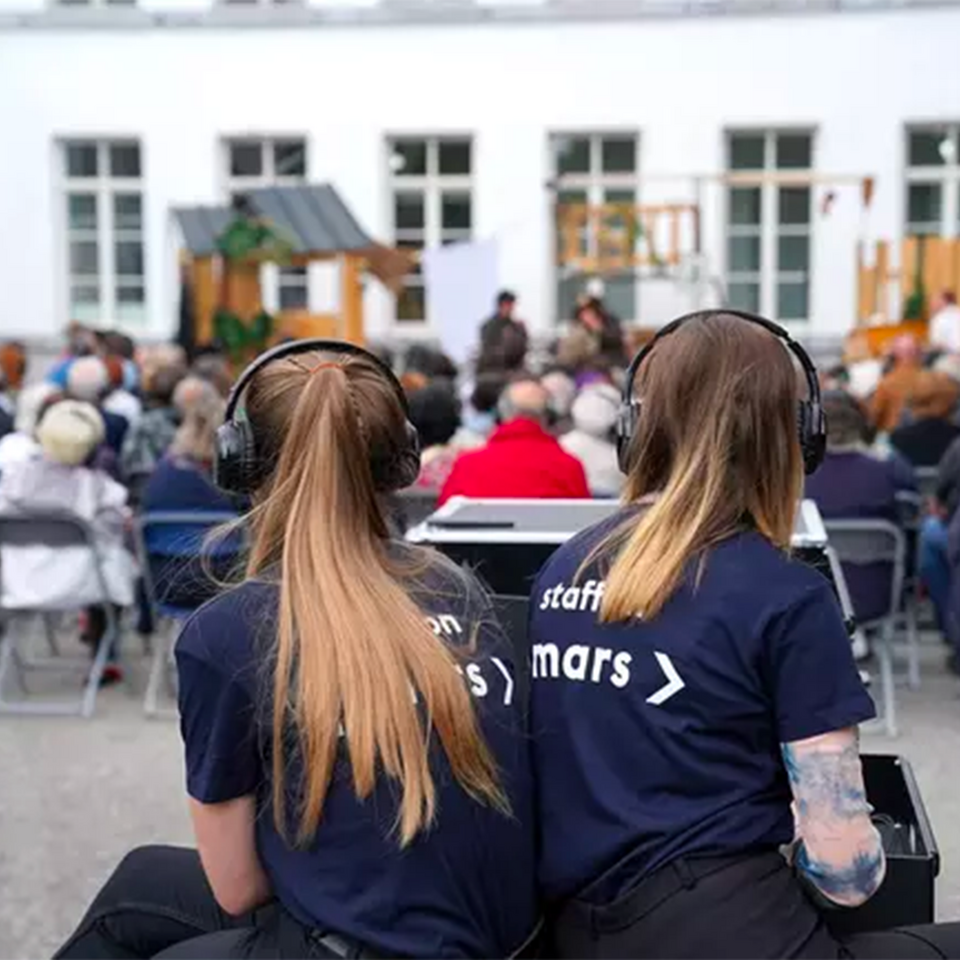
point(595, 410)
point(189, 392)
point(88, 380)
point(905, 351)
point(562, 390)
point(114, 365)
point(945, 298)
point(934, 396)
point(430, 362)
point(70, 431)
point(486, 391)
point(203, 415)
point(524, 400)
point(81, 340)
point(435, 412)
point(591, 314)
point(215, 369)
point(13, 364)
point(948, 364)
point(162, 385)
point(847, 425)
point(506, 301)
point(30, 403)
point(116, 344)
point(159, 357)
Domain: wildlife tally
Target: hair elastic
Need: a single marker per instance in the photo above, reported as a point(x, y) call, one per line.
point(323, 365)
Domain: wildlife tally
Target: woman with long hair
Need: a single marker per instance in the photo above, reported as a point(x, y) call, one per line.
point(358, 776)
point(694, 697)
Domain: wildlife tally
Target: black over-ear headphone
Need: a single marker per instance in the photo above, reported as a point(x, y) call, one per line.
point(238, 465)
point(811, 423)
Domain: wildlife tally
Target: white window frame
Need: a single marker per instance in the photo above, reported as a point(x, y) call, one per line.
point(104, 187)
point(945, 175)
point(433, 185)
point(595, 183)
point(273, 277)
point(102, 4)
point(769, 276)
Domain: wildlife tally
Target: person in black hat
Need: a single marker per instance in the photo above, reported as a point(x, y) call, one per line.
point(503, 338)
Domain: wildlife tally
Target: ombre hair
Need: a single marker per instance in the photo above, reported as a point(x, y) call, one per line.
point(715, 451)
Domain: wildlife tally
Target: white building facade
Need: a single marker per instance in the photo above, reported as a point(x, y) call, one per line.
point(447, 121)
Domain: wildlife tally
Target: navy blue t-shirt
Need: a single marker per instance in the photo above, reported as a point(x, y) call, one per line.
point(465, 887)
point(660, 739)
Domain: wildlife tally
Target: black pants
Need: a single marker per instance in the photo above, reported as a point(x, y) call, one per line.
point(747, 907)
point(158, 903)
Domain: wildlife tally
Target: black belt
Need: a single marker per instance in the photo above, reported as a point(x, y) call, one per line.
point(650, 893)
point(348, 949)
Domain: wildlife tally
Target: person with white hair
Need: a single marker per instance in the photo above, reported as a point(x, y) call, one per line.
point(88, 380)
point(591, 440)
point(58, 479)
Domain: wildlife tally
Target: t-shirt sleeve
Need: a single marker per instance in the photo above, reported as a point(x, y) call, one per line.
point(814, 682)
point(217, 722)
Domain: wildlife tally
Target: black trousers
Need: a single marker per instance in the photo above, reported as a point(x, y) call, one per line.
point(158, 903)
point(747, 907)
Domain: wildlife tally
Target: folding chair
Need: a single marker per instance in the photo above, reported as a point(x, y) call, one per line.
point(910, 510)
point(861, 542)
point(59, 531)
point(168, 617)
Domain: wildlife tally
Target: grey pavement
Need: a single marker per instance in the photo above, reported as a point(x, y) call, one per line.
point(76, 795)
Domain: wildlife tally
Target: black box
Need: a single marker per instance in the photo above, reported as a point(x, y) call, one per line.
point(906, 897)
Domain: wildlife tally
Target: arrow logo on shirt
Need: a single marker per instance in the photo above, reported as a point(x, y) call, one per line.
point(673, 685)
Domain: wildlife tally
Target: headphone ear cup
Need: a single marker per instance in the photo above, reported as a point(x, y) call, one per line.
point(812, 429)
point(233, 468)
point(401, 471)
point(627, 418)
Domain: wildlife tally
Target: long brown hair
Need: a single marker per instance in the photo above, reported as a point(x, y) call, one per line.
point(354, 655)
point(716, 449)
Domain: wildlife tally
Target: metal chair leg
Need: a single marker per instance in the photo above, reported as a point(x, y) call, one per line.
point(913, 648)
point(50, 631)
point(887, 681)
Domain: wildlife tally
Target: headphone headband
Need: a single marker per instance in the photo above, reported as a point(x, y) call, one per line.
point(811, 425)
point(295, 347)
point(809, 370)
point(239, 466)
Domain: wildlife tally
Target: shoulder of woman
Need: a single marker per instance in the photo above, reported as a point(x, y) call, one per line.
point(224, 629)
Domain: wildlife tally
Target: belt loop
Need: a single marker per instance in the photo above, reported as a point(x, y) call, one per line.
point(685, 874)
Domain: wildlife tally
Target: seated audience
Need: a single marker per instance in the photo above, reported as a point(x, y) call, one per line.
point(944, 334)
point(81, 342)
point(852, 484)
point(932, 404)
point(594, 336)
point(562, 390)
point(479, 416)
point(864, 370)
point(21, 444)
point(215, 369)
point(59, 479)
point(592, 439)
point(153, 433)
point(119, 400)
point(897, 385)
point(521, 459)
point(435, 412)
point(89, 382)
point(182, 482)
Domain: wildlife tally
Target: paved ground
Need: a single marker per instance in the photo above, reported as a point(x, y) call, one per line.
point(75, 796)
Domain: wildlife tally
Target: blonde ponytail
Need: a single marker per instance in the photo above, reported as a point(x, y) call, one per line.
point(354, 654)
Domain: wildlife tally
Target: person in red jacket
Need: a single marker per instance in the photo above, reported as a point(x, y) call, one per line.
point(520, 459)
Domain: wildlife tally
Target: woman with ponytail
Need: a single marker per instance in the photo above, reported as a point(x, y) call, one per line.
point(694, 697)
point(358, 778)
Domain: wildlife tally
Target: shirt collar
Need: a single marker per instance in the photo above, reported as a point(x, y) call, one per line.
point(520, 427)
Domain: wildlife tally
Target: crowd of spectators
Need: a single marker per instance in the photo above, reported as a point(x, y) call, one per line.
point(889, 417)
point(510, 424)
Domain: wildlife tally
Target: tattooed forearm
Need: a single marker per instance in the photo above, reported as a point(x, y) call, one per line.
point(840, 851)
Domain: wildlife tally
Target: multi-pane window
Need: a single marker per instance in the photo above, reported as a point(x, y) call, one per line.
point(593, 169)
point(95, 3)
point(281, 161)
point(431, 199)
point(103, 200)
point(933, 180)
point(769, 223)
